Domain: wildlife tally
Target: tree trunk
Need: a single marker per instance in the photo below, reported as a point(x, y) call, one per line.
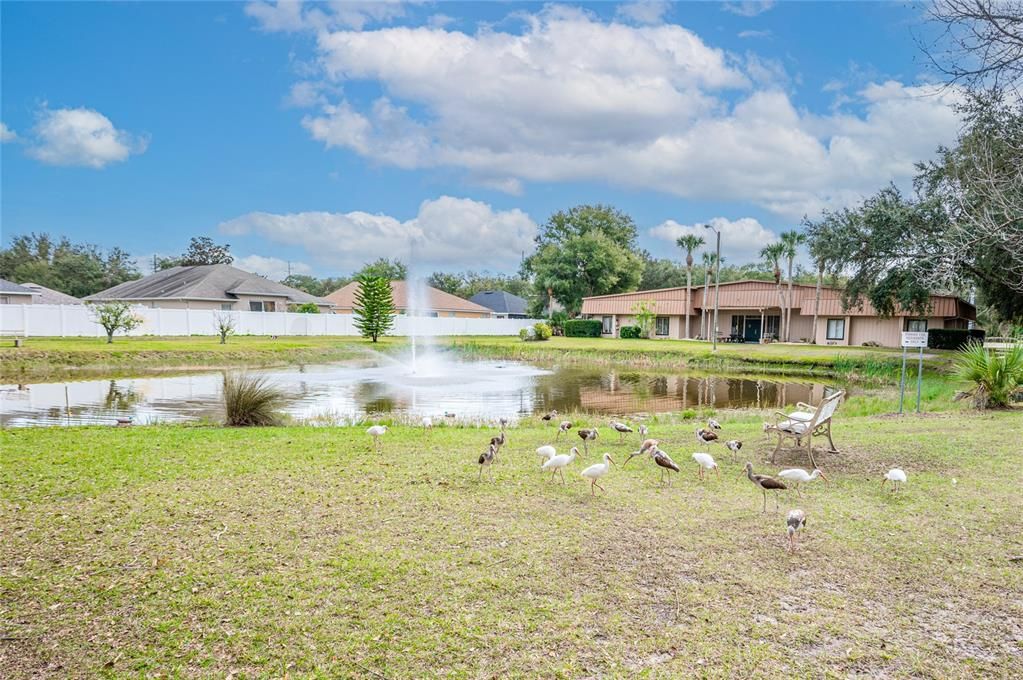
point(110, 337)
point(781, 307)
point(705, 321)
point(817, 302)
point(689, 296)
point(788, 313)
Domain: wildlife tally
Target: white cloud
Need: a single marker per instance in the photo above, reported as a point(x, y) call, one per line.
point(7, 134)
point(273, 268)
point(754, 34)
point(643, 11)
point(290, 16)
point(741, 239)
point(81, 137)
point(448, 232)
point(657, 108)
point(748, 8)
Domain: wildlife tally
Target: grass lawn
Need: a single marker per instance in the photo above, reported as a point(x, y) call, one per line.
point(189, 551)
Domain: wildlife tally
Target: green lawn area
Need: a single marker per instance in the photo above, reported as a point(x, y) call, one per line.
point(204, 551)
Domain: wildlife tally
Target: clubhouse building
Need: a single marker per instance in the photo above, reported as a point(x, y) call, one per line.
point(749, 311)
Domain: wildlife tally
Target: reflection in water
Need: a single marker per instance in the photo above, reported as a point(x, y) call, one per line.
point(334, 392)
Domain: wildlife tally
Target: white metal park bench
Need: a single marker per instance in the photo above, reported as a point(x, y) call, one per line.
point(807, 423)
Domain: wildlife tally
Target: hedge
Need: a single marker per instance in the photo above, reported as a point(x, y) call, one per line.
point(583, 328)
point(952, 338)
point(629, 332)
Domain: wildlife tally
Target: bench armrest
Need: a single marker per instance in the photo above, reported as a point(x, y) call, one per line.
point(805, 406)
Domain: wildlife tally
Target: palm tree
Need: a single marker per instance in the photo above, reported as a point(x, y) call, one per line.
point(708, 266)
point(792, 240)
point(773, 253)
point(689, 243)
point(821, 262)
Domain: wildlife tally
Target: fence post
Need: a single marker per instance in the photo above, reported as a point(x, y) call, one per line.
point(62, 321)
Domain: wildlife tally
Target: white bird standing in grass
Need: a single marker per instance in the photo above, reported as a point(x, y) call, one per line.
point(897, 477)
point(705, 461)
point(427, 423)
point(546, 452)
point(377, 431)
point(486, 460)
point(596, 471)
point(734, 445)
point(794, 521)
point(557, 464)
point(713, 424)
point(563, 428)
point(799, 475)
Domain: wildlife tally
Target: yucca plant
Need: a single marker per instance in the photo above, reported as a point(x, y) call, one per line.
point(996, 377)
point(250, 401)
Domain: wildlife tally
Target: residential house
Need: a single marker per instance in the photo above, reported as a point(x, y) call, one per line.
point(211, 286)
point(433, 303)
point(13, 294)
point(502, 303)
point(41, 295)
point(750, 310)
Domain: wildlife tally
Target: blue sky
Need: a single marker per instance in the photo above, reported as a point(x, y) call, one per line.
point(328, 135)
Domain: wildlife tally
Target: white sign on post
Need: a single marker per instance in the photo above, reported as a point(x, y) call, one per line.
point(914, 338)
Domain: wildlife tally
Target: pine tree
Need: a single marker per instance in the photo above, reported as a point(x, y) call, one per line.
point(374, 307)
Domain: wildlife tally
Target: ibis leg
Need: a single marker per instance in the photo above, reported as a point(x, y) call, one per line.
point(599, 486)
point(765, 501)
point(798, 492)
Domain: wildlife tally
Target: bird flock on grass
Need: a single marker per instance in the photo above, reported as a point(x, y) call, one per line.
point(555, 464)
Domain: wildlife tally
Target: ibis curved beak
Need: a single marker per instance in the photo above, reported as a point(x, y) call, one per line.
point(612, 461)
point(631, 456)
point(826, 480)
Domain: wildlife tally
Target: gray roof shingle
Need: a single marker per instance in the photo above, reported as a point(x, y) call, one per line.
point(41, 295)
point(502, 302)
point(11, 287)
point(203, 282)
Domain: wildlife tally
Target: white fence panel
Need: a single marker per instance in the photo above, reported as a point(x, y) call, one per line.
point(77, 321)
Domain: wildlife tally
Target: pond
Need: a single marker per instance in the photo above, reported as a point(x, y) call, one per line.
point(341, 393)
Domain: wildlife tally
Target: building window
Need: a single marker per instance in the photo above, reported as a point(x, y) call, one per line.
point(432, 314)
point(738, 324)
point(661, 326)
point(452, 313)
point(226, 306)
point(5, 300)
point(606, 327)
point(916, 325)
point(268, 306)
point(255, 306)
point(836, 329)
point(772, 323)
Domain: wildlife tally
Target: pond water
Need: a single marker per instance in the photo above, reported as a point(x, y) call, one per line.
point(339, 393)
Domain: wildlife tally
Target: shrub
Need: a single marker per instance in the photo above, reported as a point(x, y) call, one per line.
point(953, 338)
point(646, 317)
point(583, 328)
point(558, 320)
point(307, 308)
point(524, 333)
point(688, 414)
point(542, 331)
point(996, 377)
point(872, 343)
point(629, 332)
point(250, 401)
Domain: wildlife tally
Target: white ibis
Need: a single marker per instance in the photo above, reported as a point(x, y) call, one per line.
point(733, 445)
point(642, 429)
point(799, 475)
point(588, 434)
point(648, 446)
point(549, 416)
point(705, 461)
point(621, 428)
point(705, 436)
point(596, 471)
point(557, 464)
point(794, 521)
point(546, 452)
point(376, 431)
point(563, 428)
point(665, 462)
point(427, 423)
point(765, 483)
point(897, 477)
point(486, 460)
point(713, 424)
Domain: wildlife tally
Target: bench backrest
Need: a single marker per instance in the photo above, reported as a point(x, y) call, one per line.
point(827, 408)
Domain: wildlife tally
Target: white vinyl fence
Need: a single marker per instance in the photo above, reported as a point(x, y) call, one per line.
point(77, 321)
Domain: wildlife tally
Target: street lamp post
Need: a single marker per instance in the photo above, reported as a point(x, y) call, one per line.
point(717, 285)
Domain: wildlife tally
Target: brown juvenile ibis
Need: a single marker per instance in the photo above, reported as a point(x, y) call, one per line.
point(765, 483)
point(642, 429)
point(665, 462)
point(486, 460)
point(705, 436)
point(621, 428)
point(549, 416)
point(588, 434)
point(733, 445)
point(563, 428)
point(648, 446)
point(500, 440)
point(794, 521)
point(713, 424)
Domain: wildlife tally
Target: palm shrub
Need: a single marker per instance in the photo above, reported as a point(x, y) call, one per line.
point(996, 377)
point(250, 401)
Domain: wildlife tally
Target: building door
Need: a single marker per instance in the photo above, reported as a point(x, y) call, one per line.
point(751, 333)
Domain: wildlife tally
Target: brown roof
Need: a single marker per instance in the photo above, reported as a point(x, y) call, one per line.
point(754, 294)
point(436, 300)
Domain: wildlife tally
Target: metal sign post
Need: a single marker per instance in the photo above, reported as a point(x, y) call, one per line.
point(912, 339)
